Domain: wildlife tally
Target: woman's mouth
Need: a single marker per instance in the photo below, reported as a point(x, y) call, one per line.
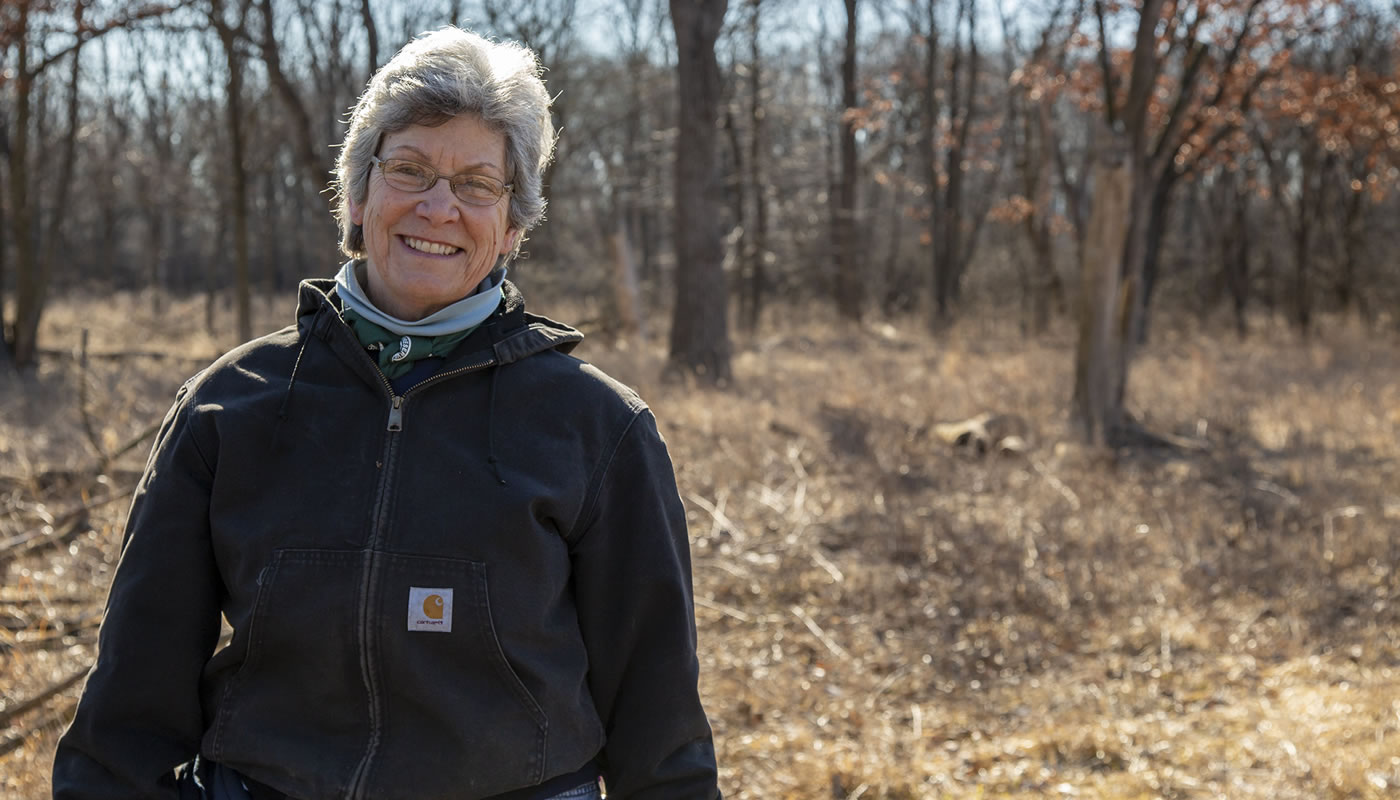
point(431, 248)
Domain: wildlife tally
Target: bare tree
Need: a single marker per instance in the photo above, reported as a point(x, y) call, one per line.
point(312, 154)
point(229, 35)
point(849, 284)
point(40, 39)
point(953, 247)
point(755, 239)
point(1111, 261)
point(1168, 131)
point(700, 325)
point(549, 27)
point(1030, 99)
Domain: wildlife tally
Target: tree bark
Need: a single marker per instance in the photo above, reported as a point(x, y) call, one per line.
point(22, 346)
point(700, 325)
point(850, 278)
point(953, 252)
point(1111, 260)
point(625, 291)
point(238, 171)
point(372, 36)
point(1105, 303)
point(757, 252)
point(63, 191)
point(930, 145)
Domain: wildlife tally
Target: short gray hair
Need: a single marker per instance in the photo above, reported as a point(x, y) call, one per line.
point(437, 76)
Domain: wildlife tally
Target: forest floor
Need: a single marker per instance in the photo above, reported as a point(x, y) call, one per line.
point(882, 614)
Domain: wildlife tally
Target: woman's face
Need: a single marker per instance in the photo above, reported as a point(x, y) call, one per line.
point(427, 250)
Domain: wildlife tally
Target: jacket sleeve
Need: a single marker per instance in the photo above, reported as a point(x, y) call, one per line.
point(632, 584)
point(140, 713)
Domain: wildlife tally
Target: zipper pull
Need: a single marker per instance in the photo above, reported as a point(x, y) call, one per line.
point(396, 414)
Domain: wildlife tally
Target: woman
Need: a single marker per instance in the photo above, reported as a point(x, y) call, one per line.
point(453, 557)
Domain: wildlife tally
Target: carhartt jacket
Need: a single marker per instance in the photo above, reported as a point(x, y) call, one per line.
point(450, 593)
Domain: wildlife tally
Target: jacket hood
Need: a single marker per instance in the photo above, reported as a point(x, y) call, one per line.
point(512, 333)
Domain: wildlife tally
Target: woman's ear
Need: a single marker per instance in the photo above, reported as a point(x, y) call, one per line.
point(512, 235)
point(357, 212)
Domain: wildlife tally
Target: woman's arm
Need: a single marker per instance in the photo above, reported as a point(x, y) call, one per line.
point(633, 589)
point(140, 715)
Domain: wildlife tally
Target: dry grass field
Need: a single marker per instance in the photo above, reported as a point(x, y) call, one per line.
point(883, 615)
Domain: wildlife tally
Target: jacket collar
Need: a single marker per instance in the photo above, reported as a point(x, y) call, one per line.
point(510, 333)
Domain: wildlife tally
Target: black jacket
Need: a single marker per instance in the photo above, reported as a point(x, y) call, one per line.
point(466, 589)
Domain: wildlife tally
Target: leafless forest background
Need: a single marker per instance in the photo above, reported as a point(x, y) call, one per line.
point(1030, 368)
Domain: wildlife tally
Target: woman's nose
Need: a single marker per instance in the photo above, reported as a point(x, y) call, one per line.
point(437, 204)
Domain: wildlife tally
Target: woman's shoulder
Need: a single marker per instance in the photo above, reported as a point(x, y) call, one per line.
point(253, 363)
point(574, 381)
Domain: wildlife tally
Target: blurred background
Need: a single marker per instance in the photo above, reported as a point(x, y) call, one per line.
point(1031, 368)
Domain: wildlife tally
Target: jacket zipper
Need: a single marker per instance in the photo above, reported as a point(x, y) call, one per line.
point(359, 779)
point(396, 401)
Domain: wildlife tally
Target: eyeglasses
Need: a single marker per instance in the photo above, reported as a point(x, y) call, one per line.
point(411, 176)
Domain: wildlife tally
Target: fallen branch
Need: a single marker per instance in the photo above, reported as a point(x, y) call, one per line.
point(126, 448)
point(86, 418)
point(728, 611)
point(8, 713)
point(1056, 484)
point(717, 516)
point(57, 717)
point(836, 649)
point(825, 563)
point(122, 355)
point(57, 638)
point(64, 528)
point(104, 459)
point(43, 538)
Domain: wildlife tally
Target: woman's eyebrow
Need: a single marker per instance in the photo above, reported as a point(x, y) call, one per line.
point(478, 165)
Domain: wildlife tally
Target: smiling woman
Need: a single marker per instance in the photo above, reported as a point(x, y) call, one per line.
point(428, 247)
point(413, 616)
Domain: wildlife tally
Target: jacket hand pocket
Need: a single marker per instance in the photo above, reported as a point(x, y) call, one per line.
point(298, 696)
point(458, 717)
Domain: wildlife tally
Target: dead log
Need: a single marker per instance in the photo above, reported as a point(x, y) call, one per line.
point(1004, 434)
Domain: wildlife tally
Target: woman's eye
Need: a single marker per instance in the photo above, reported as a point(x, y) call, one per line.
point(411, 171)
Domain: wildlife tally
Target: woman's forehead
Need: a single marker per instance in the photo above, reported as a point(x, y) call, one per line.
point(461, 143)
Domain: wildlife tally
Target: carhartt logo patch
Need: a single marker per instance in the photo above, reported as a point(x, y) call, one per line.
point(429, 609)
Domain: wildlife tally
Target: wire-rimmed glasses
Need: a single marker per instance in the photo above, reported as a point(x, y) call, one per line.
point(412, 176)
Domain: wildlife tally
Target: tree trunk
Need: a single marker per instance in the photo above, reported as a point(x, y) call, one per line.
point(239, 174)
point(700, 325)
point(4, 236)
point(1047, 286)
point(738, 201)
point(313, 158)
point(5, 364)
point(27, 291)
point(626, 295)
point(849, 284)
point(758, 249)
point(1237, 256)
point(929, 144)
point(1105, 303)
point(961, 106)
point(372, 37)
point(1155, 229)
point(1352, 243)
